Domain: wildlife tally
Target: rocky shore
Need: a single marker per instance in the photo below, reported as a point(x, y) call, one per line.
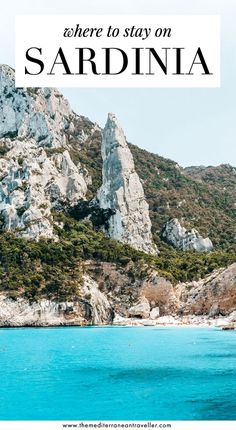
point(46, 313)
point(225, 323)
point(108, 297)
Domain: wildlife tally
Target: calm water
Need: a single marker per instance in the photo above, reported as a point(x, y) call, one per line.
point(117, 373)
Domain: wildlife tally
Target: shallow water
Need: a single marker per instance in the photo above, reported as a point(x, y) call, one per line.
point(117, 373)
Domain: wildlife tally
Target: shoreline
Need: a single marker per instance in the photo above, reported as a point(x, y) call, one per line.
point(191, 321)
point(46, 313)
point(220, 323)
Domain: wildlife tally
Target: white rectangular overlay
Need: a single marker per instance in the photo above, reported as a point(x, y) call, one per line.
point(98, 51)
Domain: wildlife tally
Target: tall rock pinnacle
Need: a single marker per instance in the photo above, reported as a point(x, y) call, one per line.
point(122, 191)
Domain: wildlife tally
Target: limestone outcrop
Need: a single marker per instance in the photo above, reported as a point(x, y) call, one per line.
point(38, 134)
point(155, 313)
point(185, 240)
point(37, 173)
point(213, 295)
point(141, 310)
point(22, 313)
point(150, 295)
point(109, 296)
point(122, 191)
point(92, 307)
point(101, 309)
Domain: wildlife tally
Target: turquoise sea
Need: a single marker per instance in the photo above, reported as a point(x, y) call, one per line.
point(101, 373)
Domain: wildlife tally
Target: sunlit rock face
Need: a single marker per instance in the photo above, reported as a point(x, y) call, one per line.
point(177, 236)
point(215, 294)
point(92, 307)
point(38, 174)
point(122, 191)
point(36, 171)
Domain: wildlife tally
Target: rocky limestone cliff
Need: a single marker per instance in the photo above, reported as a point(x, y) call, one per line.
point(212, 298)
point(36, 171)
point(122, 191)
point(177, 236)
point(92, 307)
point(38, 134)
point(108, 295)
point(213, 295)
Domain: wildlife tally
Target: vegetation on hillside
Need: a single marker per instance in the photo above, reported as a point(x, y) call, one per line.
point(198, 197)
point(201, 198)
point(54, 269)
point(172, 193)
